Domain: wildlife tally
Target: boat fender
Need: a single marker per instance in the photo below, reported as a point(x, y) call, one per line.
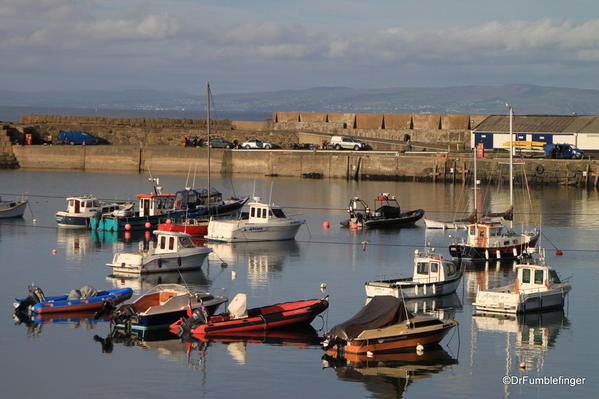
point(159, 262)
point(547, 283)
point(516, 286)
point(540, 169)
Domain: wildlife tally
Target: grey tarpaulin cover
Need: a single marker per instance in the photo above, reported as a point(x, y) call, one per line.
point(381, 311)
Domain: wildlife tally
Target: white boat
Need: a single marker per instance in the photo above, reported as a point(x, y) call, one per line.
point(263, 222)
point(173, 251)
point(440, 225)
point(12, 209)
point(433, 276)
point(81, 209)
point(537, 287)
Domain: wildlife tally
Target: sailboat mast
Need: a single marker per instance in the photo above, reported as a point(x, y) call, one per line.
point(208, 142)
point(475, 179)
point(511, 159)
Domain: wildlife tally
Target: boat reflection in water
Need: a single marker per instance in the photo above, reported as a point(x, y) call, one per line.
point(35, 323)
point(264, 259)
point(389, 374)
point(442, 307)
point(486, 275)
point(535, 334)
point(192, 278)
point(76, 244)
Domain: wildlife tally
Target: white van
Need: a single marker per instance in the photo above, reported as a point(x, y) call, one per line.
point(346, 143)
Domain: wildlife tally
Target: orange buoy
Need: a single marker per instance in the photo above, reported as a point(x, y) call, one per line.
point(326, 225)
point(127, 227)
point(127, 235)
point(168, 221)
point(354, 226)
point(54, 252)
point(148, 225)
point(559, 252)
point(147, 235)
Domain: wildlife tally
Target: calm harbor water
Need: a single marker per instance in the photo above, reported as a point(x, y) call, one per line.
point(61, 359)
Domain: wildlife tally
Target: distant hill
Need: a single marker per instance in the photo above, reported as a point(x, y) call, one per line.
point(526, 99)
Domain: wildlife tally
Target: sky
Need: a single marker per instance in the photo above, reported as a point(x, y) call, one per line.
point(265, 45)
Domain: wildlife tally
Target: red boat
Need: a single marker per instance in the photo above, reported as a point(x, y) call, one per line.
point(240, 319)
point(192, 226)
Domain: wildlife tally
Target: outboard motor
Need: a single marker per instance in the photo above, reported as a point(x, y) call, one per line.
point(36, 295)
point(197, 318)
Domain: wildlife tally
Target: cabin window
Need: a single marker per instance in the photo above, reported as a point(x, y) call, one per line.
point(171, 243)
point(434, 267)
point(472, 231)
point(506, 242)
point(186, 242)
point(494, 231)
point(169, 203)
point(96, 203)
point(450, 268)
point(263, 213)
point(422, 268)
point(538, 277)
point(553, 276)
point(71, 203)
point(526, 275)
point(89, 204)
point(481, 233)
point(162, 242)
point(278, 213)
point(252, 212)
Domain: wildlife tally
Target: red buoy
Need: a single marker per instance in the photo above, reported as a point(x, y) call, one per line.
point(54, 252)
point(354, 226)
point(559, 252)
point(127, 235)
point(326, 225)
point(147, 235)
point(168, 221)
point(148, 225)
point(127, 227)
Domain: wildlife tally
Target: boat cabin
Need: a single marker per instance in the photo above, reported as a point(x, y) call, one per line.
point(82, 205)
point(535, 278)
point(171, 242)
point(430, 269)
point(260, 212)
point(490, 234)
point(155, 204)
point(190, 199)
point(386, 205)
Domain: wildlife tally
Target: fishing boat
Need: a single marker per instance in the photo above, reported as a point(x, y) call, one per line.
point(537, 287)
point(240, 319)
point(384, 325)
point(171, 252)
point(263, 222)
point(387, 213)
point(12, 209)
point(80, 209)
point(433, 276)
point(163, 305)
point(85, 299)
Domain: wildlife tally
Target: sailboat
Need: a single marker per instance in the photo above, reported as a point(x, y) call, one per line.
point(488, 238)
point(211, 200)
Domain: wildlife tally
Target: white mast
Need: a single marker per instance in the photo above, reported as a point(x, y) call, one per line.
point(475, 183)
point(208, 142)
point(511, 161)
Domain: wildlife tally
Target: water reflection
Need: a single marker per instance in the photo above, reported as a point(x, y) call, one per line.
point(442, 307)
point(144, 282)
point(388, 375)
point(265, 260)
point(36, 323)
point(486, 275)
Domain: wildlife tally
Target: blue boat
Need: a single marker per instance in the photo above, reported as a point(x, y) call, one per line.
point(86, 299)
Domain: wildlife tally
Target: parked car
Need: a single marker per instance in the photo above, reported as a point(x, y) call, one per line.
point(256, 143)
point(346, 143)
point(77, 137)
point(219, 142)
point(563, 151)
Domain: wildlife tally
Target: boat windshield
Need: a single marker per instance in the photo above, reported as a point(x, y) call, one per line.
point(554, 277)
point(495, 231)
point(422, 268)
point(185, 242)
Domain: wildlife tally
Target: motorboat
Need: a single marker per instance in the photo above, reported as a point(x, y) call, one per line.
point(80, 209)
point(263, 222)
point(79, 300)
point(172, 252)
point(387, 213)
point(12, 209)
point(433, 276)
point(384, 325)
point(537, 287)
point(239, 319)
point(163, 305)
point(489, 239)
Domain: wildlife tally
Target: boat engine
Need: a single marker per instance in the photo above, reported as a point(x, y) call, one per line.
point(197, 318)
point(36, 295)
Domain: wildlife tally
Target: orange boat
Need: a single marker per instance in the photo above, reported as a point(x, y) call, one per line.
point(385, 325)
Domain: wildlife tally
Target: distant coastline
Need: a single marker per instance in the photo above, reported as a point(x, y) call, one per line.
point(13, 114)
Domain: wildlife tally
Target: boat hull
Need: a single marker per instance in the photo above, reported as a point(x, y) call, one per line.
point(410, 290)
point(224, 231)
point(60, 304)
point(163, 320)
point(398, 343)
point(71, 222)
point(467, 252)
point(194, 230)
point(162, 263)
point(440, 225)
point(514, 303)
point(15, 211)
point(406, 219)
point(136, 223)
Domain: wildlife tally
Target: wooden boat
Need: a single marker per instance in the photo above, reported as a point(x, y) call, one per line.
point(537, 287)
point(163, 305)
point(263, 222)
point(387, 213)
point(240, 319)
point(172, 252)
point(12, 209)
point(82, 208)
point(192, 226)
point(82, 300)
point(433, 276)
point(385, 325)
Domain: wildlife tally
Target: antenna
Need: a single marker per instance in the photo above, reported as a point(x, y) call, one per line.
point(187, 179)
point(270, 196)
